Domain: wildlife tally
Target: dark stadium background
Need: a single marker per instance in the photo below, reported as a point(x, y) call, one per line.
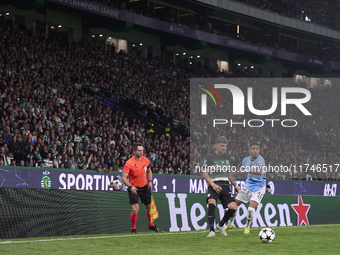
point(81, 81)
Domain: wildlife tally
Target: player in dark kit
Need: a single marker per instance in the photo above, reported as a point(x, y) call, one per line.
point(216, 172)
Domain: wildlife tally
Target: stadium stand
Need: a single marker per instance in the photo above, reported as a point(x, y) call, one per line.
point(70, 105)
point(319, 12)
point(316, 11)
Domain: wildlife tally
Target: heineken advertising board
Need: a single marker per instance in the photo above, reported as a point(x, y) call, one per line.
point(47, 212)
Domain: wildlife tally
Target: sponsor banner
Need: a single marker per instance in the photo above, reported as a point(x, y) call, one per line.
point(36, 178)
point(47, 212)
point(224, 41)
point(282, 187)
point(189, 211)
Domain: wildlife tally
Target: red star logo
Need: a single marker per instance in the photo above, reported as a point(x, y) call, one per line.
point(301, 210)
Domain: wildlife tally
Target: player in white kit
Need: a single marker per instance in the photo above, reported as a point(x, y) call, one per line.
point(255, 186)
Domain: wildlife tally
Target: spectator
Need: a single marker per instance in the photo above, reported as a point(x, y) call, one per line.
point(57, 161)
point(37, 156)
point(7, 135)
point(15, 148)
point(73, 164)
point(13, 162)
point(48, 162)
point(3, 156)
point(102, 166)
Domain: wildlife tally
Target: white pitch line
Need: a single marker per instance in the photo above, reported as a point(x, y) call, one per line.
point(151, 234)
point(296, 226)
point(98, 237)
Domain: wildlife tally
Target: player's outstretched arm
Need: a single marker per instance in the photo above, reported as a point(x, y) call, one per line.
point(232, 181)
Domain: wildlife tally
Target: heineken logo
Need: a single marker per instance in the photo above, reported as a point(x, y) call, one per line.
point(186, 215)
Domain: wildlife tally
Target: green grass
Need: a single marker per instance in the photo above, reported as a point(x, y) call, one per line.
point(317, 239)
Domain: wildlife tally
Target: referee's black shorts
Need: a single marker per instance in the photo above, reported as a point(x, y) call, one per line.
point(225, 195)
point(143, 193)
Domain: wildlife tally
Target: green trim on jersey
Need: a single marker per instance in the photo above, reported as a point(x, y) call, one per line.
point(222, 167)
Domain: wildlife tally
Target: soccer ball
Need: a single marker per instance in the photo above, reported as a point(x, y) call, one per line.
point(117, 183)
point(267, 235)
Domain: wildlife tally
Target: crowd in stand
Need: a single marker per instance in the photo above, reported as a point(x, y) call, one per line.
point(47, 120)
point(321, 12)
point(286, 147)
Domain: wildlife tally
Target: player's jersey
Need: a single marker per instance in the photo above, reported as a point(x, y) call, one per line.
point(219, 167)
point(136, 171)
point(254, 182)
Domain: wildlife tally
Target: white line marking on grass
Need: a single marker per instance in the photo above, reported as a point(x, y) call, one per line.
point(308, 226)
point(100, 237)
point(151, 234)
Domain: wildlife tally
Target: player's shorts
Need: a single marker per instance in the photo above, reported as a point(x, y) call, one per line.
point(225, 195)
point(247, 195)
point(143, 193)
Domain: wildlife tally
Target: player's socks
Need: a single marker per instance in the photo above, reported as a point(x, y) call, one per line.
point(211, 217)
point(248, 223)
point(232, 219)
point(149, 217)
point(226, 217)
point(133, 218)
point(250, 216)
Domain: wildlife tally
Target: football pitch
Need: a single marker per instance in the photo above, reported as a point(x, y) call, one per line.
point(316, 239)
